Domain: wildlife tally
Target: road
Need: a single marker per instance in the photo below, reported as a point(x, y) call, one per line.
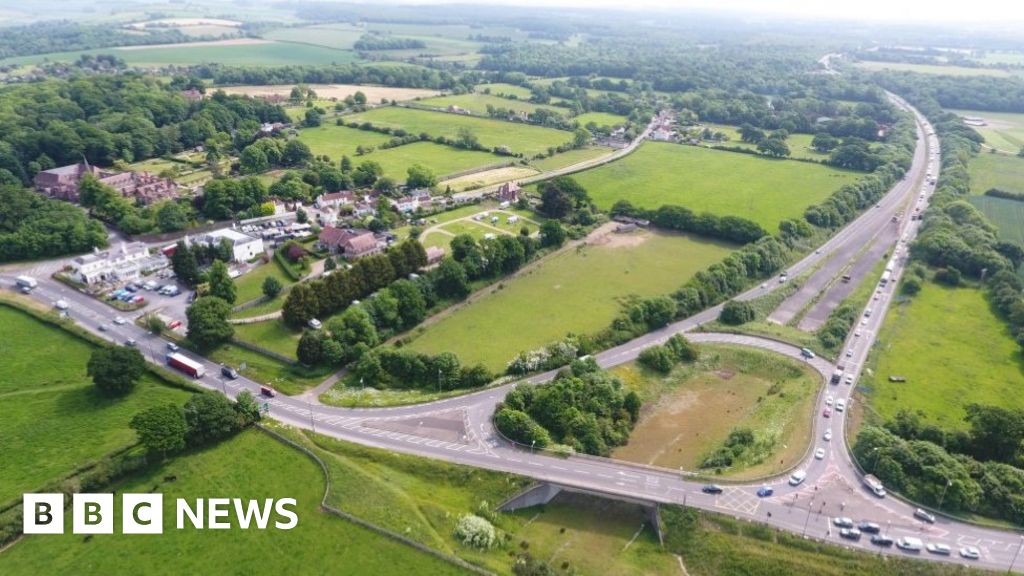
point(459, 429)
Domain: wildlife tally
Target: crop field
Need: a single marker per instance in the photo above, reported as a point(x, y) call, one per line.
point(51, 407)
point(1003, 130)
point(996, 171)
point(1007, 215)
point(570, 157)
point(337, 36)
point(250, 466)
point(521, 138)
point(600, 118)
point(764, 190)
point(478, 103)
point(487, 178)
point(249, 286)
point(688, 413)
point(373, 94)
point(926, 340)
point(1001, 58)
point(933, 69)
point(502, 89)
point(578, 291)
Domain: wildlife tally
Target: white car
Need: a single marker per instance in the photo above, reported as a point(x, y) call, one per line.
point(849, 353)
point(857, 333)
point(840, 405)
point(120, 321)
point(60, 305)
point(828, 435)
point(314, 324)
point(970, 552)
point(940, 549)
point(849, 379)
point(819, 454)
point(829, 400)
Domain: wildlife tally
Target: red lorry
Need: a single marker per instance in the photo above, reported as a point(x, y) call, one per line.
point(186, 365)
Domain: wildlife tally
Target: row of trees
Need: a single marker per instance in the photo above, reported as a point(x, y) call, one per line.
point(670, 217)
point(206, 418)
point(404, 369)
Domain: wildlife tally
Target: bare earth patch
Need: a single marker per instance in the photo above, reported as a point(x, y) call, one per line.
point(614, 239)
point(229, 42)
point(339, 91)
point(488, 177)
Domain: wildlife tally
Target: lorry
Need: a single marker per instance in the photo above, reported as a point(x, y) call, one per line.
point(836, 376)
point(875, 485)
point(26, 282)
point(186, 365)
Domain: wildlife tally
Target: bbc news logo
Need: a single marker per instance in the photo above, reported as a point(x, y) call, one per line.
point(144, 513)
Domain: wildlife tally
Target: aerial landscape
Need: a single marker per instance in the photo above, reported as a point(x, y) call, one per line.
point(523, 289)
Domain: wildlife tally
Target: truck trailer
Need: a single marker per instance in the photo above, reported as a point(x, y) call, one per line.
point(26, 282)
point(875, 485)
point(186, 365)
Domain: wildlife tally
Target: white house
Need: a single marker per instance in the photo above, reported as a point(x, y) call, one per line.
point(335, 199)
point(243, 246)
point(120, 265)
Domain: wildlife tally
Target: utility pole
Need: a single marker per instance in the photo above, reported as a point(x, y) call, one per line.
point(1016, 554)
point(944, 489)
point(810, 505)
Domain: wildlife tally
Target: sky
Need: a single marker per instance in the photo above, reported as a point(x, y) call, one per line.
point(948, 11)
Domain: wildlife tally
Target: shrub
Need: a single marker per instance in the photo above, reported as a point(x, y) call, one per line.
point(736, 312)
point(476, 532)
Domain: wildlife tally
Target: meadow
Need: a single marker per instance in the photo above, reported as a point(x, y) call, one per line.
point(932, 340)
point(478, 103)
point(270, 334)
point(54, 420)
point(600, 118)
point(570, 157)
point(338, 36)
point(688, 413)
point(228, 53)
point(933, 69)
point(1007, 215)
point(487, 178)
point(326, 92)
point(502, 89)
point(251, 465)
point(1003, 130)
point(249, 286)
point(1000, 171)
point(573, 291)
point(521, 138)
point(799, 144)
point(764, 190)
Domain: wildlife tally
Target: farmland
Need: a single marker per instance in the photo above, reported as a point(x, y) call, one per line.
point(689, 413)
point(373, 94)
point(570, 157)
point(600, 118)
point(336, 36)
point(1007, 215)
point(521, 138)
point(487, 178)
point(996, 171)
point(501, 89)
point(932, 69)
point(338, 141)
point(249, 466)
point(924, 339)
point(724, 183)
point(49, 399)
point(1003, 130)
point(799, 144)
point(577, 290)
point(478, 103)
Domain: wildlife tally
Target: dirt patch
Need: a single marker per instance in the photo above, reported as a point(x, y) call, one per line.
point(488, 177)
point(607, 236)
point(373, 94)
point(229, 42)
point(725, 374)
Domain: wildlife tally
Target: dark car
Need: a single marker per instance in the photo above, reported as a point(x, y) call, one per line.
point(869, 527)
point(228, 372)
point(880, 540)
point(711, 489)
point(765, 491)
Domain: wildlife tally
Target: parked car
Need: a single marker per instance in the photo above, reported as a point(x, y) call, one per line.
point(940, 549)
point(925, 516)
point(970, 552)
point(765, 491)
point(711, 489)
point(842, 522)
point(869, 527)
point(314, 324)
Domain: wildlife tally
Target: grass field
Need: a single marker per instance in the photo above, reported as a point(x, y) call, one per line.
point(600, 118)
point(478, 103)
point(799, 144)
point(271, 334)
point(488, 177)
point(286, 379)
point(521, 138)
point(502, 89)
point(576, 291)
point(1003, 130)
point(1001, 58)
point(249, 286)
point(1007, 215)
point(689, 413)
point(933, 69)
point(570, 157)
point(338, 141)
point(996, 171)
point(337, 36)
point(251, 465)
point(325, 92)
point(723, 183)
point(952, 349)
point(54, 420)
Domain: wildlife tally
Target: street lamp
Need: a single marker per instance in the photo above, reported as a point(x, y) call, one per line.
point(946, 487)
point(810, 505)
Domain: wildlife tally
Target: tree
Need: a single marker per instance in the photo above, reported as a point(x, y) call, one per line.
point(170, 217)
point(824, 142)
point(330, 264)
point(208, 323)
point(313, 118)
point(466, 138)
point(450, 279)
point(271, 287)
point(775, 147)
point(657, 358)
point(366, 174)
point(210, 416)
point(412, 307)
point(253, 160)
point(910, 286)
point(345, 165)
point(221, 284)
point(996, 432)
point(359, 98)
point(736, 312)
point(309, 351)
point(476, 532)
point(184, 264)
point(295, 153)
point(161, 429)
point(420, 177)
point(300, 305)
point(552, 234)
point(115, 370)
point(301, 216)
point(561, 197)
point(750, 134)
point(154, 324)
point(581, 137)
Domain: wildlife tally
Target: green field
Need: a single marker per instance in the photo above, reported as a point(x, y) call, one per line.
point(336, 36)
point(1001, 58)
point(1007, 215)
point(952, 349)
point(502, 89)
point(338, 141)
point(576, 291)
point(996, 171)
point(570, 157)
point(278, 375)
point(249, 466)
point(601, 119)
point(1003, 130)
point(269, 54)
point(932, 69)
point(270, 334)
point(764, 190)
point(478, 103)
point(53, 419)
point(688, 413)
point(249, 286)
point(521, 138)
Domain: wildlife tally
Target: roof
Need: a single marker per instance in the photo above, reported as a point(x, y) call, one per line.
point(342, 195)
point(362, 243)
point(233, 235)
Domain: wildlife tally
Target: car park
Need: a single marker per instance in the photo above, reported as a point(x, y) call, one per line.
point(819, 454)
point(881, 540)
point(850, 533)
point(869, 527)
point(924, 516)
point(711, 489)
point(970, 552)
point(842, 522)
point(765, 491)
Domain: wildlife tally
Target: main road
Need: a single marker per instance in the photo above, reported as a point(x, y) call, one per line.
point(459, 429)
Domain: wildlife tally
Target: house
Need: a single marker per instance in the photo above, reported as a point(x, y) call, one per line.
point(62, 183)
point(434, 255)
point(192, 94)
point(341, 198)
point(406, 204)
point(243, 246)
point(121, 265)
point(508, 192)
point(352, 243)
point(364, 209)
point(458, 110)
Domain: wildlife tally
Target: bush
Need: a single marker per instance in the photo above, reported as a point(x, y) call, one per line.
point(657, 358)
point(736, 312)
point(476, 532)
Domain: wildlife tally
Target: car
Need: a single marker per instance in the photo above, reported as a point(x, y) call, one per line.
point(267, 391)
point(26, 289)
point(828, 435)
point(130, 342)
point(849, 352)
point(970, 552)
point(850, 533)
point(878, 295)
point(940, 549)
point(881, 540)
point(172, 347)
point(910, 544)
point(130, 288)
point(828, 400)
point(60, 305)
point(924, 516)
point(711, 489)
point(864, 322)
point(819, 454)
point(797, 478)
point(763, 286)
point(869, 528)
point(827, 413)
point(857, 333)
point(228, 372)
point(119, 320)
point(842, 522)
point(765, 491)
point(840, 405)
point(314, 324)
point(102, 327)
point(849, 380)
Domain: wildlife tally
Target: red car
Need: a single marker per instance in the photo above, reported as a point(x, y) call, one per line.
point(827, 413)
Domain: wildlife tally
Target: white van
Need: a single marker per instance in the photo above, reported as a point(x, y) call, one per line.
point(797, 478)
point(910, 544)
